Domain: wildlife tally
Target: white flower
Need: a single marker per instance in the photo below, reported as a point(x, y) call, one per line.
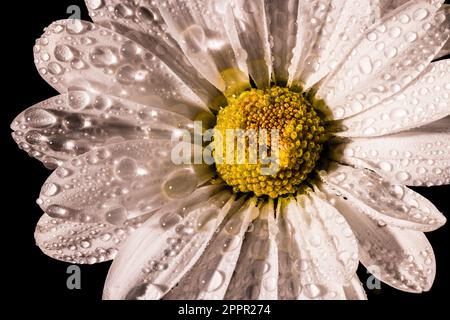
point(146, 69)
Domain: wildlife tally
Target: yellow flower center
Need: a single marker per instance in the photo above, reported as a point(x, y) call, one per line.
point(280, 121)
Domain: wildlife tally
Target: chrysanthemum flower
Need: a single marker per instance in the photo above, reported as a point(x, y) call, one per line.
point(360, 107)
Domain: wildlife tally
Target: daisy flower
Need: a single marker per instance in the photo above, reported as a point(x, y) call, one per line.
point(351, 89)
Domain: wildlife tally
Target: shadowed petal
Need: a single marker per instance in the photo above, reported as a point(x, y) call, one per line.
point(213, 49)
point(78, 55)
point(211, 276)
point(81, 243)
point(71, 124)
point(155, 258)
point(142, 22)
point(256, 273)
point(118, 182)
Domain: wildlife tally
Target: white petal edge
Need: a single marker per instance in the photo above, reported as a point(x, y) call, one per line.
point(376, 197)
point(68, 125)
point(404, 259)
point(414, 158)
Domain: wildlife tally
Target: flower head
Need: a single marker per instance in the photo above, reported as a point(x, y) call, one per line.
point(325, 99)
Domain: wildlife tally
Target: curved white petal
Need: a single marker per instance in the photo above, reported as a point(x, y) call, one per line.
point(403, 259)
point(389, 57)
point(118, 182)
point(77, 55)
point(317, 250)
point(282, 17)
point(355, 290)
point(211, 276)
point(142, 22)
point(252, 29)
point(386, 6)
point(81, 243)
point(327, 33)
point(161, 252)
point(256, 274)
point(74, 123)
point(376, 197)
point(446, 49)
point(412, 158)
point(215, 51)
point(424, 101)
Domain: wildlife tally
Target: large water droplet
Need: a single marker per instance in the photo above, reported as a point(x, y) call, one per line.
point(126, 169)
point(169, 220)
point(60, 212)
point(116, 216)
point(102, 57)
point(39, 118)
point(212, 280)
point(194, 38)
point(180, 184)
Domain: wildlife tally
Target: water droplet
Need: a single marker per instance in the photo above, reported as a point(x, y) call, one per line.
point(64, 53)
point(60, 212)
point(194, 38)
point(49, 189)
point(365, 65)
point(212, 280)
point(169, 220)
point(126, 169)
point(116, 216)
point(420, 14)
point(102, 57)
point(39, 118)
point(402, 176)
point(385, 166)
point(312, 291)
point(180, 184)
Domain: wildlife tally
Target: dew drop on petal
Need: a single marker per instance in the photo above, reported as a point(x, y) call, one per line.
point(180, 184)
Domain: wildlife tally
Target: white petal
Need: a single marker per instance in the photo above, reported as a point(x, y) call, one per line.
point(411, 158)
point(282, 16)
point(81, 243)
point(403, 259)
point(211, 276)
point(328, 32)
point(390, 56)
point(199, 29)
point(71, 124)
point(142, 22)
point(252, 30)
point(159, 254)
point(386, 6)
point(78, 55)
point(314, 263)
point(256, 273)
point(118, 182)
point(387, 203)
point(446, 49)
point(424, 101)
point(355, 290)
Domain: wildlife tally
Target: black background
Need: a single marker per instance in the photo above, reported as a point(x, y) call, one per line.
point(36, 276)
